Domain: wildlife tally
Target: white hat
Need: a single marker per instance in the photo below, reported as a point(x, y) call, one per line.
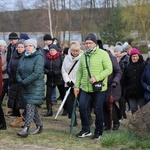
point(105, 46)
point(2, 43)
point(31, 41)
point(125, 45)
point(118, 48)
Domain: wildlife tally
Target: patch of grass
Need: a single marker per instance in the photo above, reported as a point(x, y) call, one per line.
point(56, 136)
point(124, 140)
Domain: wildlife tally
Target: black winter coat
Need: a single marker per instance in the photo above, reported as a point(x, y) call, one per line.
point(10, 50)
point(53, 71)
point(15, 90)
point(132, 79)
point(12, 67)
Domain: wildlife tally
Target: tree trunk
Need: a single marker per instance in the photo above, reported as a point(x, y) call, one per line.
point(50, 18)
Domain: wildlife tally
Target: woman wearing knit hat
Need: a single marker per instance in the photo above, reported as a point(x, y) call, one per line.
point(132, 80)
point(30, 75)
point(52, 69)
point(48, 40)
point(14, 96)
point(123, 59)
point(100, 70)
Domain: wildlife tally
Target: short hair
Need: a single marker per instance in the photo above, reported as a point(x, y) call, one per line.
point(75, 45)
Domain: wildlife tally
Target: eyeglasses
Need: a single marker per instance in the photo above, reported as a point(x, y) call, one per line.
point(89, 43)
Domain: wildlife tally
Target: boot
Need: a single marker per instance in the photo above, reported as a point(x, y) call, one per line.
point(3, 127)
point(24, 132)
point(16, 122)
point(49, 111)
point(38, 129)
point(64, 113)
point(116, 126)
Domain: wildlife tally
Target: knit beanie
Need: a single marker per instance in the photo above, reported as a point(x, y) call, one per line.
point(24, 36)
point(125, 45)
point(31, 41)
point(21, 41)
point(2, 43)
point(91, 37)
point(134, 51)
point(53, 46)
point(13, 35)
point(105, 46)
point(118, 48)
point(119, 43)
point(47, 37)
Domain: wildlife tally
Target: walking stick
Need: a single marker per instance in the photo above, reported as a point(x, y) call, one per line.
point(73, 114)
point(63, 102)
point(111, 100)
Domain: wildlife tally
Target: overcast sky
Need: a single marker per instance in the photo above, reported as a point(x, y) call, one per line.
point(12, 5)
point(6, 5)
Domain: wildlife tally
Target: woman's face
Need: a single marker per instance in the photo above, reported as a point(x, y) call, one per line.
point(2, 48)
point(52, 51)
point(29, 48)
point(75, 52)
point(135, 58)
point(20, 48)
point(117, 53)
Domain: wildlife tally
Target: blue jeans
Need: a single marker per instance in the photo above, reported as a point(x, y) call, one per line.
point(84, 108)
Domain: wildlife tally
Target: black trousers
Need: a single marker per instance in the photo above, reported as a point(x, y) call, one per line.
point(49, 93)
point(2, 118)
point(4, 90)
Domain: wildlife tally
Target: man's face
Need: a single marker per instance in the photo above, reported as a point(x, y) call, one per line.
point(48, 42)
point(90, 44)
point(13, 41)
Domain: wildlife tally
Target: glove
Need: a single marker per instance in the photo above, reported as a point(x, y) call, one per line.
point(51, 73)
point(148, 88)
point(114, 84)
point(70, 84)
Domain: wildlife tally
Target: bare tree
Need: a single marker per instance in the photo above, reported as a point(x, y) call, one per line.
point(50, 18)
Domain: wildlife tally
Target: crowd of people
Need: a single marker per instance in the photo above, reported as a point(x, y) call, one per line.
point(106, 79)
